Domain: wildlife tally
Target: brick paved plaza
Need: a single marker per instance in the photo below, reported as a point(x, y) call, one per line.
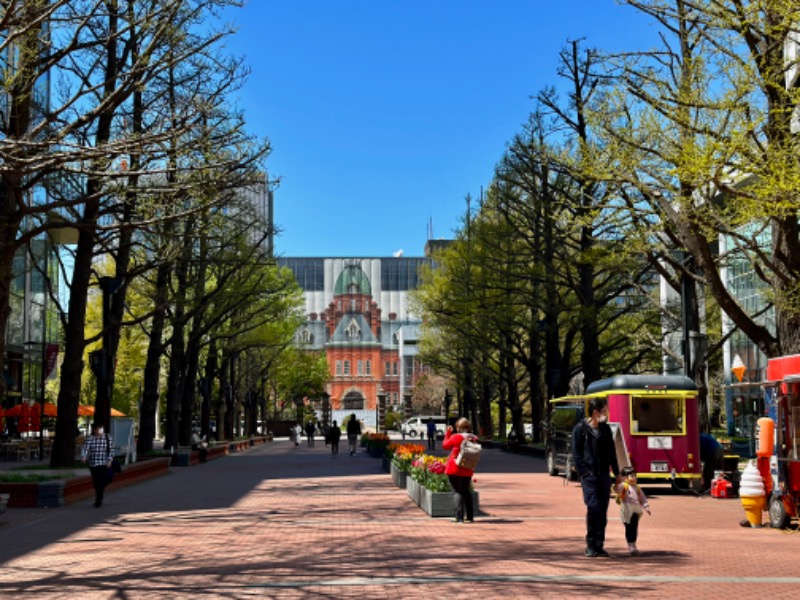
point(282, 522)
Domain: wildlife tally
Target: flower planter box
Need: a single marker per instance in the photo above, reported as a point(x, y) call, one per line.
point(440, 504)
point(375, 450)
point(398, 476)
point(65, 491)
point(412, 489)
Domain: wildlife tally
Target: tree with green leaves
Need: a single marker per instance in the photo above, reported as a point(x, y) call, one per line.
point(703, 135)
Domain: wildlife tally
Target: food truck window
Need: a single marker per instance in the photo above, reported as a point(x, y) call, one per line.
point(656, 414)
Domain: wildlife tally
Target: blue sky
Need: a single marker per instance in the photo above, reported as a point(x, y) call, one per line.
point(384, 114)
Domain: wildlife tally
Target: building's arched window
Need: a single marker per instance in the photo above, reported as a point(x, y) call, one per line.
point(306, 337)
point(353, 401)
point(353, 331)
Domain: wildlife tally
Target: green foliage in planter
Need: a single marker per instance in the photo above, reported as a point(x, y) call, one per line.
point(428, 471)
point(32, 477)
point(46, 467)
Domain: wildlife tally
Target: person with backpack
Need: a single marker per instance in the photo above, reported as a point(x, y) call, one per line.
point(594, 455)
point(460, 468)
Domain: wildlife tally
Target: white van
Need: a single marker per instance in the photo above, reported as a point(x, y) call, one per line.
point(418, 426)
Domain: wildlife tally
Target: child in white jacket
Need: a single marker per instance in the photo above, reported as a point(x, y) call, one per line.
point(632, 503)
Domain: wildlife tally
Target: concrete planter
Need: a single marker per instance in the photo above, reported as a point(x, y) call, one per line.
point(398, 476)
point(413, 490)
point(51, 493)
point(440, 504)
point(65, 491)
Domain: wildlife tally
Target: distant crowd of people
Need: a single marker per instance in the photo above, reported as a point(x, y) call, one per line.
point(331, 434)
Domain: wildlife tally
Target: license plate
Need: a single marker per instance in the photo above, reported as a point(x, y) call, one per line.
point(659, 442)
point(659, 467)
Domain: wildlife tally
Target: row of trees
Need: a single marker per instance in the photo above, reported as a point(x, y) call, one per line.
point(118, 121)
point(681, 162)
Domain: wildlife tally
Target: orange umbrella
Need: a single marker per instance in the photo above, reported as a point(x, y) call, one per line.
point(88, 411)
point(26, 415)
point(26, 410)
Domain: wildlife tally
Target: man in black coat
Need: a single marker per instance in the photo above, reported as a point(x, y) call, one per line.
point(594, 456)
point(353, 431)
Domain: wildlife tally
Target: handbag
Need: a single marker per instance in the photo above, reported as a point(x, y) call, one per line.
point(116, 466)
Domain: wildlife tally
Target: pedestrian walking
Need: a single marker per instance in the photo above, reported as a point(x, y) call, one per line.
point(334, 434)
point(353, 431)
point(98, 453)
point(310, 431)
point(593, 454)
point(297, 431)
point(632, 504)
point(431, 427)
point(460, 478)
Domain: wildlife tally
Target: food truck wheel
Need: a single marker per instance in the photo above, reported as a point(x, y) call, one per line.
point(551, 463)
point(778, 518)
point(572, 474)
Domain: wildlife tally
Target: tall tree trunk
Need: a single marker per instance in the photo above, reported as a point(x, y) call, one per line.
point(193, 345)
point(123, 254)
point(63, 452)
point(152, 369)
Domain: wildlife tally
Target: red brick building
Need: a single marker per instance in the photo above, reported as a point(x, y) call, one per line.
point(357, 313)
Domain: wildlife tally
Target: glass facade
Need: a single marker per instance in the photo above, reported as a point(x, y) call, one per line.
point(744, 401)
point(401, 273)
point(397, 274)
point(308, 272)
point(750, 292)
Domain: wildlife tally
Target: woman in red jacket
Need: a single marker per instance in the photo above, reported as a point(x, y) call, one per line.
point(459, 477)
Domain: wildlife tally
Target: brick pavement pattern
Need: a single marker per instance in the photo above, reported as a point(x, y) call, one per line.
point(283, 522)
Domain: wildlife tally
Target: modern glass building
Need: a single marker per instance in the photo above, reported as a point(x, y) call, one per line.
point(744, 399)
point(32, 332)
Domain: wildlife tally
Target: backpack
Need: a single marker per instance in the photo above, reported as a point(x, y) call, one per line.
point(470, 452)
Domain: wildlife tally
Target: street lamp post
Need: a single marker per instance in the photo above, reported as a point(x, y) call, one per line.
point(447, 401)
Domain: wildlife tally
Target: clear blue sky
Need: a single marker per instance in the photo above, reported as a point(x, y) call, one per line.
point(384, 114)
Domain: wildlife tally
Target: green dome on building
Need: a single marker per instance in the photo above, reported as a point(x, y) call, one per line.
point(353, 280)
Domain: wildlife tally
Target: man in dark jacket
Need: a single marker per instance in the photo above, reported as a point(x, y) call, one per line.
point(353, 431)
point(594, 455)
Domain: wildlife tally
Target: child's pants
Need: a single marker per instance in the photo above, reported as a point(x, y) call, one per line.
point(632, 529)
